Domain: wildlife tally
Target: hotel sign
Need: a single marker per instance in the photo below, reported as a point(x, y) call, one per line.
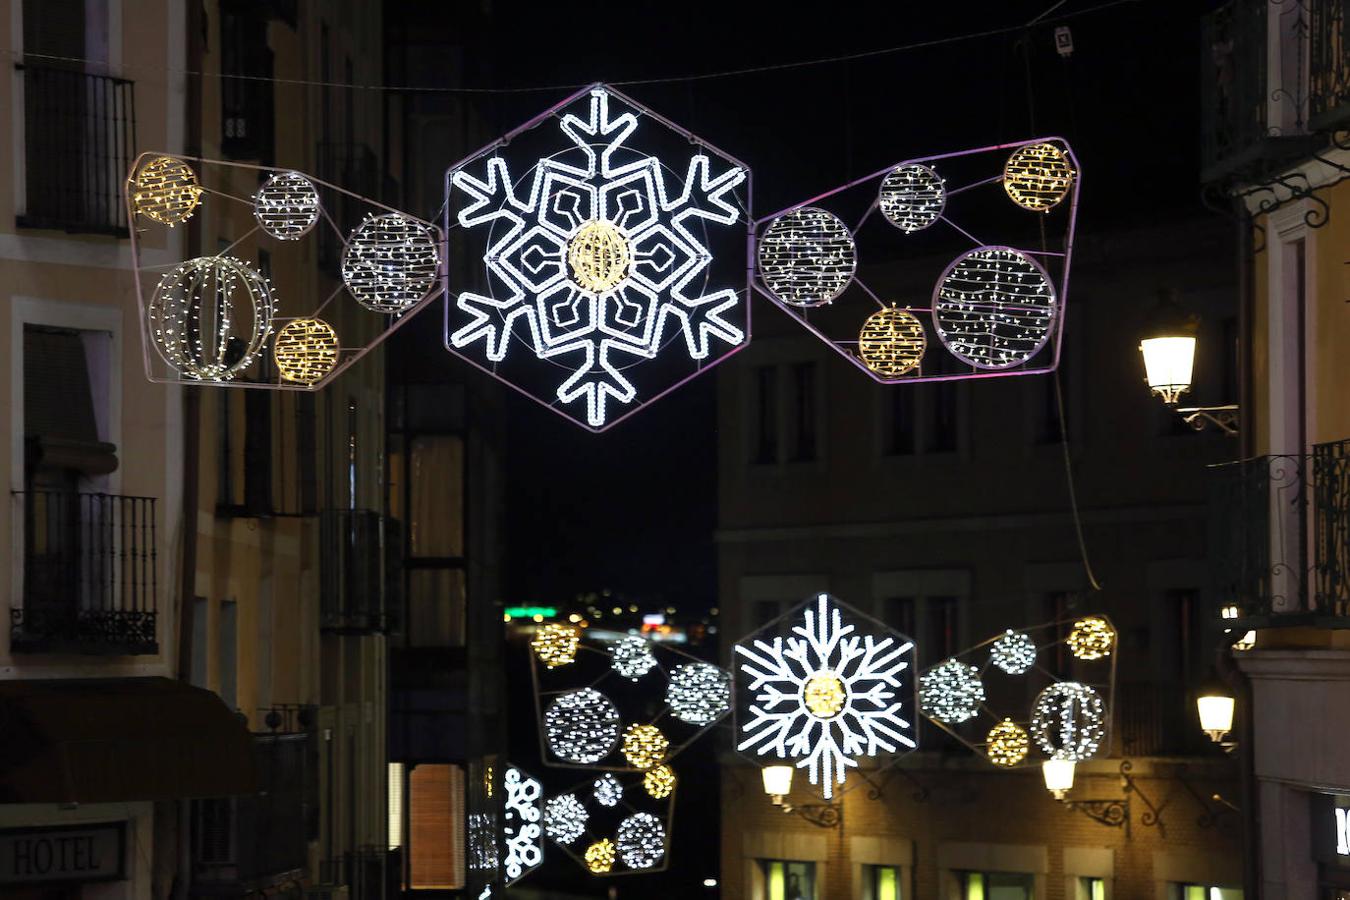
point(93, 852)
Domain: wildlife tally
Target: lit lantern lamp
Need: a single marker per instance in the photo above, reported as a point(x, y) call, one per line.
point(1168, 346)
point(1058, 775)
point(777, 782)
point(1215, 706)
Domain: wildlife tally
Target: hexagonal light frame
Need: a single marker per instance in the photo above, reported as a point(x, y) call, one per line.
point(518, 285)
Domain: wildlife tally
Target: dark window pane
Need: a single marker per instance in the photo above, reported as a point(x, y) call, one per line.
point(803, 409)
point(765, 448)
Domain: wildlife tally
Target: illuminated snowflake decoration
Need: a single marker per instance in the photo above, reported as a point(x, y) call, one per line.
point(641, 840)
point(565, 818)
point(699, 693)
point(1068, 721)
point(632, 657)
point(825, 696)
point(600, 257)
point(607, 790)
point(521, 831)
point(951, 692)
point(1014, 652)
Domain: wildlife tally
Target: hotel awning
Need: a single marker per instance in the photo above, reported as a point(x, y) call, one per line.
point(110, 740)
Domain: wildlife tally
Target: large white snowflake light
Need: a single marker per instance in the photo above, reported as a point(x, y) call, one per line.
point(824, 696)
point(609, 268)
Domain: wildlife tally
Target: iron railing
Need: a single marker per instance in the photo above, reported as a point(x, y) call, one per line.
point(356, 168)
point(1280, 531)
point(360, 573)
point(1328, 63)
point(248, 843)
point(90, 580)
point(79, 140)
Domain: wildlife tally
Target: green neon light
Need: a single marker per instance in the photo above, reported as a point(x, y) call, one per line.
point(529, 612)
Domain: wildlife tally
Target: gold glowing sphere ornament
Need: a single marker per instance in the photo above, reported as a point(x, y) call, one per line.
point(600, 856)
point(555, 644)
point(659, 782)
point(1008, 743)
point(1091, 638)
point(891, 342)
point(823, 695)
point(598, 255)
point(1038, 176)
point(166, 191)
point(305, 350)
point(644, 746)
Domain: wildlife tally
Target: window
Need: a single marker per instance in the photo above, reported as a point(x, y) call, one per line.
point(1090, 889)
point(881, 883)
point(1202, 892)
point(1058, 608)
point(941, 626)
point(802, 420)
point(787, 880)
point(246, 110)
point(764, 442)
point(997, 886)
point(435, 834)
point(898, 612)
point(923, 418)
point(227, 638)
point(765, 612)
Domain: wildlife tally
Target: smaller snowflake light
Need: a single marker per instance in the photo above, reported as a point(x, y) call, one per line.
point(644, 746)
point(555, 644)
point(1091, 638)
point(951, 692)
point(582, 727)
point(642, 841)
point(1007, 743)
point(659, 782)
point(286, 206)
point(520, 826)
point(565, 818)
point(1038, 176)
point(607, 790)
point(807, 257)
point(1068, 721)
point(166, 190)
point(1014, 652)
point(632, 657)
point(391, 263)
point(912, 197)
point(600, 856)
point(699, 693)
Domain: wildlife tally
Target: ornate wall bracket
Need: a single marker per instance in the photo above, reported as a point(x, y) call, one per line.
point(1114, 813)
point(1225, 418)
point(822, 815)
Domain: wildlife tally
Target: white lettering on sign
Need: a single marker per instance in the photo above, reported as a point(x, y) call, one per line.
point(81, 853)
point(1343, 831)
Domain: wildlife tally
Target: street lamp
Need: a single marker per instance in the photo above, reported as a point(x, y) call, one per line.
point(1058, 775)
point(1215, 706)
point(778, 784)
point(1168, 348)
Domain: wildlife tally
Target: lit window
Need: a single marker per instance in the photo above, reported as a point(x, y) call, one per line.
point(787, 880)
point(1203, 892)
point(881, 883)
point(1091, 889)
point(998, 886)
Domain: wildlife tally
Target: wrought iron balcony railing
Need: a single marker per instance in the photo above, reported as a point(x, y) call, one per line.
point(89, 574)
point(1328, 63)
point(79, 138)
point(242, 845)
point(360, 574)
point(1280, 527)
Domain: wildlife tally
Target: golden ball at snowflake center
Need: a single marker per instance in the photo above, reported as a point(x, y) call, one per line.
point(891, 342)
point(599, 256)
point(823, 695)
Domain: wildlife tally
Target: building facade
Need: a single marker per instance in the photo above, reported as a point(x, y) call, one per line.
point(943, 511)
point(1275, 108)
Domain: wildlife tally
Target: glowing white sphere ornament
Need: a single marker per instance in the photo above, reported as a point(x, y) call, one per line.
point(582, 726)
point(305, 350)
point(286, 206)
point(951, 692)
point(210, 316)
point(632, 657)
point(912, 197)
point(607, 790)
point(1068, 721)
point(641, 840)
point(1014, 652)
point(565, 818)
point(994, 307)
point(699, 693)
point(807, 257)
point(391, 263)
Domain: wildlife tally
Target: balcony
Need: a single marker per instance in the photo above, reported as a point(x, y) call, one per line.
point(79, 139)
point(360, 575)
point(1239, 139)
point(1280, 532)
point(1328, 64)
point(244, 845)
point(355, 167)
point(89, 574)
